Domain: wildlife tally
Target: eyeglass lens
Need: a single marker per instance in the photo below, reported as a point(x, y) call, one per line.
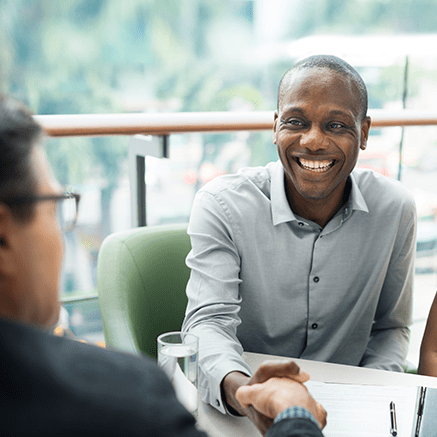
point(67, 214)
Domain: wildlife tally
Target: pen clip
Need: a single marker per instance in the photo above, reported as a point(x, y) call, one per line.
point(393, 423)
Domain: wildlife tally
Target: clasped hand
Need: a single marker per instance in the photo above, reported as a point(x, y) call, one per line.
point(275, 386)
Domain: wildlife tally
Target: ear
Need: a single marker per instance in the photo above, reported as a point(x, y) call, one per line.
point(12, 300)
point(5, 217)
point(6, 231)
point(275, 122)
point(365, 127)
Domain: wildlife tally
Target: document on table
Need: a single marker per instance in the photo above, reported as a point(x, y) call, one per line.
point(364, 410)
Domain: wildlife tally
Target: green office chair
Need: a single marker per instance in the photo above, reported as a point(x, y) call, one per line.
point(141, 276)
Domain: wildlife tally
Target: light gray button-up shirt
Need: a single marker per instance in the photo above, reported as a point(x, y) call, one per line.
point(266, 280)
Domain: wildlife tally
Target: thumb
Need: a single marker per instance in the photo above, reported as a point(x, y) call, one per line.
point(302, 376)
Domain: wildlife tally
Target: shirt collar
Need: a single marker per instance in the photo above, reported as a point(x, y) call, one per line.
point(281, 211)
point(356, 199)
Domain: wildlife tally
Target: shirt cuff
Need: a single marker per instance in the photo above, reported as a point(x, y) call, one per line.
point(296, 412)
point(210, 382)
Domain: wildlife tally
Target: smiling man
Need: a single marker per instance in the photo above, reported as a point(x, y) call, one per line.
point(305, 257)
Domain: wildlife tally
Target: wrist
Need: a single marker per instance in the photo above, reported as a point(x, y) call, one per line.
point(230, 384)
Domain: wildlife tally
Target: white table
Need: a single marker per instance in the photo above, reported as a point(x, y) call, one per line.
point(219, 425)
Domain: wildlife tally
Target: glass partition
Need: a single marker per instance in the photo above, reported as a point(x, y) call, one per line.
point(104, 56)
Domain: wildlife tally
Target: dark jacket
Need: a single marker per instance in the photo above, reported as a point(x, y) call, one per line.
point(53, 386)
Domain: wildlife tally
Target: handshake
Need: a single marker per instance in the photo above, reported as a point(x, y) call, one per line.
point(275, 386)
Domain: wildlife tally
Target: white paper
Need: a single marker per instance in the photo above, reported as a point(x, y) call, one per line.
point(364, 410)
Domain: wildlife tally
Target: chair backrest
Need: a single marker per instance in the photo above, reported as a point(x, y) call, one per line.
point(141, 276)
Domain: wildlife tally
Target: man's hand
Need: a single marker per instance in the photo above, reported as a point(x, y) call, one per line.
point(276, 394)
point(269, 369)
point(279, 369)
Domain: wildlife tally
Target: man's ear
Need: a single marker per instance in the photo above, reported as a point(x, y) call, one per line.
point(365, 127)
point(5, 216)
point(6, 228)
point(275, 122)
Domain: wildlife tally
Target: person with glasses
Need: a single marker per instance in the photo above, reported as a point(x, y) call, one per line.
point(54, 386)
point(67, 212)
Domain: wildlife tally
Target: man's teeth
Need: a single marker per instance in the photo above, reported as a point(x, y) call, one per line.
point(317, 166)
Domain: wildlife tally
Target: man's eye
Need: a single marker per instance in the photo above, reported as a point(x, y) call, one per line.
point(293, 122)
point(336, 125)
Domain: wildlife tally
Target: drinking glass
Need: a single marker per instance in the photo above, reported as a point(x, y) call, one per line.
point(177, 356)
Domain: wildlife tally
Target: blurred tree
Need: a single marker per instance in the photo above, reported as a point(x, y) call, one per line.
point(366, 16)
point(97, 56)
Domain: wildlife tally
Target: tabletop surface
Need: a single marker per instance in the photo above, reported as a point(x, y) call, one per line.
point(219, 425)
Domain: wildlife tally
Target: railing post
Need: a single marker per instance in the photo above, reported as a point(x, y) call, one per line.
point(139, 147)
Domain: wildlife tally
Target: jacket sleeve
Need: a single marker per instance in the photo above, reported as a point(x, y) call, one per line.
point(296, 427)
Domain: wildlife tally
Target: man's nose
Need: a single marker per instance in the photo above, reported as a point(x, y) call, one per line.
point(314, 139)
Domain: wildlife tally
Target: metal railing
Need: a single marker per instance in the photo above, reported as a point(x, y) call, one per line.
point(151, 133)
point(184, 122)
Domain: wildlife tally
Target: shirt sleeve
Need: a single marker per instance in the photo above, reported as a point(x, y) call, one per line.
point(388, 344)
point(213, 295)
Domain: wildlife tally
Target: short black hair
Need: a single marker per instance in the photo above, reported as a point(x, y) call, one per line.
point(332, 63)
point(19, 133)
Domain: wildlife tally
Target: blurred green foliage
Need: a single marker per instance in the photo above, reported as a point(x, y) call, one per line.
point(84, 56)
point(109, 56)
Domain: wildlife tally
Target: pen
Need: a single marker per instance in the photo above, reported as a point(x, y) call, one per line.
point(393, 428)
point(420, 410)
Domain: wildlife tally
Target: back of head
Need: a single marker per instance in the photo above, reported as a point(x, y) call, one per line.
point(332, 63)
point(19, 133)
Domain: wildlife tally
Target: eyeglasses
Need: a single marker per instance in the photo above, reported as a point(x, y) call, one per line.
point(67, 211)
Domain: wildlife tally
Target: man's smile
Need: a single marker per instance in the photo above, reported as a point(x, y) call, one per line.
point(317, 166)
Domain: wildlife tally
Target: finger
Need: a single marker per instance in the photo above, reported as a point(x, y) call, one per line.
point(302, 376)
point(321, 415)
point(282, 368)
point(279, 368)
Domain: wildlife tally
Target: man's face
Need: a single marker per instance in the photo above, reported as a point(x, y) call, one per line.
point(34, 255)
point(318, 132)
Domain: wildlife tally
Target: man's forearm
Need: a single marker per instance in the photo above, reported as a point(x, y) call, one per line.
point(387, 349)
point(428, 364)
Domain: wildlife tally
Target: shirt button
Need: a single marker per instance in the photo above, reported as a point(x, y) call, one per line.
point(314, 326)
point(316, 279)
point(300, 224)
point(217, 402)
